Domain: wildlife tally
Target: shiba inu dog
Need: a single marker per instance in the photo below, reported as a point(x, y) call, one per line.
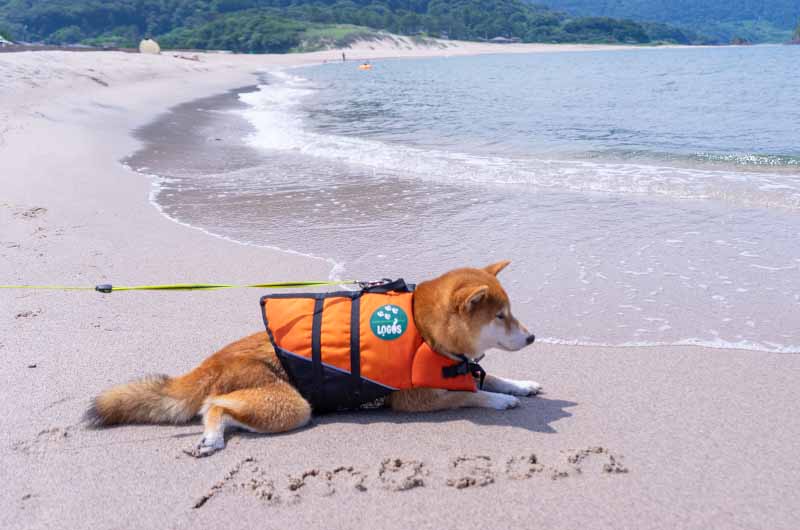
point(459, 315)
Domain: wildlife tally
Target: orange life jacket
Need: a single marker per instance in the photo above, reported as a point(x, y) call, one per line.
point(345, 349)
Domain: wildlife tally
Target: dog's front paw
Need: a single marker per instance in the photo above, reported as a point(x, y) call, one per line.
point(207, 447)
point(524, 388)
point(502, 401)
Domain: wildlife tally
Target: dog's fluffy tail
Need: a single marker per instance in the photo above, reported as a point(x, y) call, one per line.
point(154, 399)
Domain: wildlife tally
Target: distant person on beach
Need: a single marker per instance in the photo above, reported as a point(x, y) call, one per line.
point(344, 57)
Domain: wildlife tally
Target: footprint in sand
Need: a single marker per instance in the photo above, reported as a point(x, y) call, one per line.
point(44, 441)
point(469, 471)
point(28, 501)
point(396, 474)
point(31, 213)
point(28, 314)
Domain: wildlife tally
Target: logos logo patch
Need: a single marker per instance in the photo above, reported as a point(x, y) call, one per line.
point(388, 322)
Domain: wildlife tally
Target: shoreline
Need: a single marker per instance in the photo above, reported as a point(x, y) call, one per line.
point(250, 67)
point(141, 156)
point(185, 117)
point(705, 435)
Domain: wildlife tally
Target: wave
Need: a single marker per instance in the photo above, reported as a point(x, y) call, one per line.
point(717, 344)
point(751, 159)
point(274, 112)
point(745, 161)
point(157, 184)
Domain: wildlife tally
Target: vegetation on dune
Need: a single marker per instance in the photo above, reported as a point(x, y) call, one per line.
point(259, 32)
point(796, 37)
point(749, 30)
point(5, 32)
point(283, 25)
point(757, 21)
point(245, 31)
point(320, 37)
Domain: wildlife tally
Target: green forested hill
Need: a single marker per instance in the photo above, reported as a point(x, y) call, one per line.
point(282, 25)
point(757, 20)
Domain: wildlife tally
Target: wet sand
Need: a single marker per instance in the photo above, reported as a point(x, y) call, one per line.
point(676, 437)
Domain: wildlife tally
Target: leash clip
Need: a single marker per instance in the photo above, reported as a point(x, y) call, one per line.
point(104, 288)
point(386, 285)
point(374, 283)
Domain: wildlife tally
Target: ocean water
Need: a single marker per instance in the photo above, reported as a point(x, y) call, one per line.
point(645, 197)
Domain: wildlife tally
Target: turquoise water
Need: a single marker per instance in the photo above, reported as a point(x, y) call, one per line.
point(649, 196)
point(728, 104)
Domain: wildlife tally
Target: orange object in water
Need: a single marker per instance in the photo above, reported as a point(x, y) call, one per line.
point(365, 66)
point(348, 348)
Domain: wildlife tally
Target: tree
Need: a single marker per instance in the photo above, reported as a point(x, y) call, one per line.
point(408, 23)
point(5, 33)
point(258, 25)
point(758, 20)
point(66, 35)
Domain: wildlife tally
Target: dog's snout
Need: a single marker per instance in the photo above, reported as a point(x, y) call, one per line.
point(530, 338)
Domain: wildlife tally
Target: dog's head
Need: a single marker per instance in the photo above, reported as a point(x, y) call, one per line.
point(467, 311)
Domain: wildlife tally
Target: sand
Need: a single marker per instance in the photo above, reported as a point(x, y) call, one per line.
point(677, 437)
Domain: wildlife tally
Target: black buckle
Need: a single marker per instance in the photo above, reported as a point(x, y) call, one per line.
point(478, 373)
point(465, 367)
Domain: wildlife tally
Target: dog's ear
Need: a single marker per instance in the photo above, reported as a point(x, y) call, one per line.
point(473, 297)
point(495, 268)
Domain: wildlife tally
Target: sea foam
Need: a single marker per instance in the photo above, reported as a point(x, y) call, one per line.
point(275, 112)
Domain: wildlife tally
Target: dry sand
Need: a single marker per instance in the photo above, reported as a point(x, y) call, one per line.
point(622, 438)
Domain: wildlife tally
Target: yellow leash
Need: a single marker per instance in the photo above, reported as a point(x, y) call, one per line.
point(108, 288)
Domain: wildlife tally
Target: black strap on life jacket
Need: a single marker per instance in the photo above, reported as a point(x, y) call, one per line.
point(355, 351)
point(466, 366)
point(381, 286)
point(316, 349)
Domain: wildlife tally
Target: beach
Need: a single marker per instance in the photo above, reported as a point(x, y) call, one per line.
point(633, 437)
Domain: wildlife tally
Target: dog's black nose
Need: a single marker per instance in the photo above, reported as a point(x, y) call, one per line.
point(530, 339)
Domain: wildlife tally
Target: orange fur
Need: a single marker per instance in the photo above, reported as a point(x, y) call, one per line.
point(247, 363)
point(446, 314)
point(245, 385)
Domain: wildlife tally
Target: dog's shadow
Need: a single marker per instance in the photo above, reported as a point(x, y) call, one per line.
point(536, 413)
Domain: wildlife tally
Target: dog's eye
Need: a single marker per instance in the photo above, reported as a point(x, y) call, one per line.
point(500, 316)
